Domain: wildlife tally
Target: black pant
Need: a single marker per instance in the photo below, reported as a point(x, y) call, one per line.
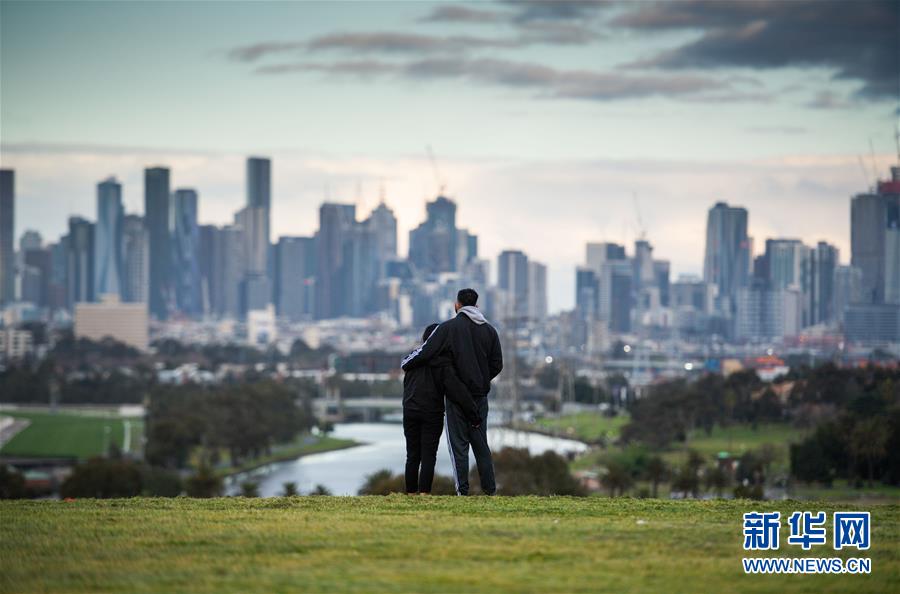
point(460, 434)
point(423, 433)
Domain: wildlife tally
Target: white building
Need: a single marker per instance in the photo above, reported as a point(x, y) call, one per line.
point(15, 343)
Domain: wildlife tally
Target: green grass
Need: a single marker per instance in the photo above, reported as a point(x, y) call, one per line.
point(63, 434)
point(289, 451)
point(586, 426)
point(410, 544)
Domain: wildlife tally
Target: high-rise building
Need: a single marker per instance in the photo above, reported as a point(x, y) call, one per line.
point(36, 271)
point(727, 260)
point(259, 207)
point(227, 272)
point(295, 277)
point(847, 289)
point(205, 263)
point(432, 245)
point(824, 261)
point(512, 278)
point(135, 260)
point(337, 223)
point(58, 296)
point(158, 216)
point(597, 254)
point(80, 261)
point(383, 225)
point(617, 280)
point(7, 237)
point(466, 248)
point(537, 290)
point(661, 272)
point(185, 276)
point(764, 314)
point(875, 240)
point(108, 239)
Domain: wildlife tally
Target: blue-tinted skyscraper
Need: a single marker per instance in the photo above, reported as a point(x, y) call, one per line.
point(80, 264)
point(432, 245)
point(337, 224)
point(727, 261)
point(158, 218)
point(7, 239)
point(108, 239)
point(185, 254)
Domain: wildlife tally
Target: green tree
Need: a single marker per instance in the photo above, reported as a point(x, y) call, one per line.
point(249, 489)
point(12, 483)
point(204, 483)
point(289, 489)
point(655, 471)
point(102, 479)
point(617, 478)
point(868, 439)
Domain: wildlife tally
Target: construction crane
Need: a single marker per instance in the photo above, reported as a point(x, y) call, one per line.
point(438, 179)
point(642, 232)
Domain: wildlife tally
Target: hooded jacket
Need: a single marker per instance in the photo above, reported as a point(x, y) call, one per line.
point(472, 344)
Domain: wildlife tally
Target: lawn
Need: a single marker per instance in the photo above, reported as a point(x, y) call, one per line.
point(62, 434)
point(586, 426)
point(411, 544)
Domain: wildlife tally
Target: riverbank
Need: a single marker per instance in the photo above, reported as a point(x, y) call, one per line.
point(290, 452)
point(413, 544)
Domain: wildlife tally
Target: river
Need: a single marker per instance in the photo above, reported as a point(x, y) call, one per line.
point(343, 472)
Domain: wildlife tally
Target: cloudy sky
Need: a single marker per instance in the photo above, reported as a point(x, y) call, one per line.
point(554, 123)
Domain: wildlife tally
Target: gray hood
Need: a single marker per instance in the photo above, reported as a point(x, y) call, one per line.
point(474, 314)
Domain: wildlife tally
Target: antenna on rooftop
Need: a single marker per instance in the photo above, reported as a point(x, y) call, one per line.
point(642, 232)
point(439, 180)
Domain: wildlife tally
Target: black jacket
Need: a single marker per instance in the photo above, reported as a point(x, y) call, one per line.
point(474, 349)
point(421, 392)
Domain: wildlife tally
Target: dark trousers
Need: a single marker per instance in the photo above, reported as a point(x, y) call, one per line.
point(423, 433)
point(460, 435)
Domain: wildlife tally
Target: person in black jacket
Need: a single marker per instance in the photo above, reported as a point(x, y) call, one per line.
point(474, 349)
point(424, 389)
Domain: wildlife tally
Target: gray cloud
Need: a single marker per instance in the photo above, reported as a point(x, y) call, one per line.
point(786, 130)
point(828, 100)
point(452, 13)
point(859, 40)
point(551, 10)
point(546, 81)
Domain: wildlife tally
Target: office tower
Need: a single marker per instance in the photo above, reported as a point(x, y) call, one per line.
point(227, 272)
point(644, 274)
point(80, 261)
point(383, 224)
point(158, 219)
point(727, 260)
point(7, 238)
point(586, 289)
point(186, 245)
point(336, 226)
point(295, 277)
point(597, 254)
point(512, 278)
point(875, 240)
point(824, 260)
point(537, 290)
point(124, 322)
point(764, 314)
point(847, 289)
point(36, 271)
point(618, 278)
point(432, 245)
point(661, 274)
point(205, 262)
point(787, 262)
point(58, 297)
point(30, 240)
point(466, 248)
point(359, 271)
point(108, 239)
point(135, 260)
point(693, 293)
point(257, 234)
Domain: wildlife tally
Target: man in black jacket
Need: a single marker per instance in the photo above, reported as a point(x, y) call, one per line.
point(474, 347)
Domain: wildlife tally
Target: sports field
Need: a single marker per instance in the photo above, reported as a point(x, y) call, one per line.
point(71, 434)
point(412, 544)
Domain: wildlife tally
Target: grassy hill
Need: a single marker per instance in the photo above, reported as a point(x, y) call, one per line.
point(410, 544)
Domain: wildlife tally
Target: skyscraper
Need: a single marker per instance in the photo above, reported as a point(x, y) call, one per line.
point(875, 240)
point(227, 271)
point(158, 218)
point(537, 290)
point(383, 225)
point(7, 238)
point(80, 265)
point(432, 245)
point(295, 270)
point(186, 245)
point(336, 226)
point(824, 261)
point(108, 239)
point(259, 200)
point(135, 260)
point(512, 277)
point(727, 260)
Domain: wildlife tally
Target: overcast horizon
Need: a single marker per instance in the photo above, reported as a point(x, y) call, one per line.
point(547, 118)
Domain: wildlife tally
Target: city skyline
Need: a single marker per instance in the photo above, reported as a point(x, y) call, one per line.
point(560, 112)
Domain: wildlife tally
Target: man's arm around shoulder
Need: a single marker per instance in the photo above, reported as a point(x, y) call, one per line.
point(428, 350)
